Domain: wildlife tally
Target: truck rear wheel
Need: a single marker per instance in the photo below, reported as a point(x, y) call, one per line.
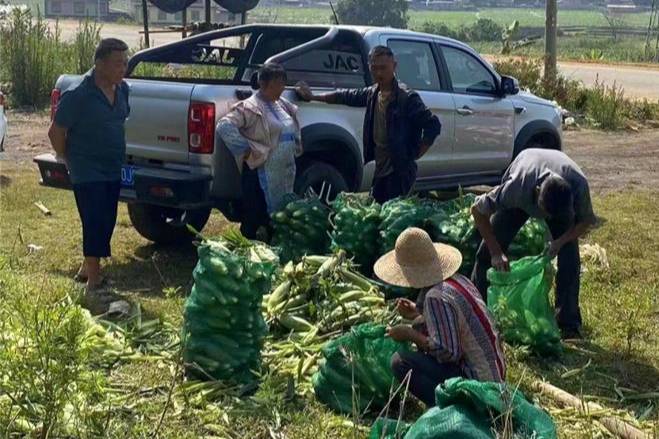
point(313, 174)
point(166, 225)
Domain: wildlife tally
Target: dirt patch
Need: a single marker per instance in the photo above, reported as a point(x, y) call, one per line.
point(612, 161)
point(27, 136)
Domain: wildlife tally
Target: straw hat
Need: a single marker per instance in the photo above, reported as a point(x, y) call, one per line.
point(417, 262)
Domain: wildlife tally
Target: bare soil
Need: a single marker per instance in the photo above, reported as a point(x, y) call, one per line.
point(611, 160)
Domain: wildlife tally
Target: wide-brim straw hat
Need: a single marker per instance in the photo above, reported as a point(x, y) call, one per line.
point(417, 262)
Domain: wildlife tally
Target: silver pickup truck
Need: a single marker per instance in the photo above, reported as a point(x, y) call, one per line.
point(176, 168)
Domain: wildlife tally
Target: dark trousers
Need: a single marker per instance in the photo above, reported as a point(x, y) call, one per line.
point(97, 206)
point(254, 207)
point(426, 373)
point(506, 224)
point(390, 186)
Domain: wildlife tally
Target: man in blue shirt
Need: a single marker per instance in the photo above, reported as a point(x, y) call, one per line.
point(88, 132)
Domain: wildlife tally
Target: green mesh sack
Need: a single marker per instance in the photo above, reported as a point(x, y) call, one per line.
point(356, 223)
point(385, 428)
point(453, 224)
point(495, 401)
point(456, 421)
point(456, 229)
point(519, 301)
point(470, 409)
point(223, 328)
point(399, 214)
point(355, 374)
point(301, 228)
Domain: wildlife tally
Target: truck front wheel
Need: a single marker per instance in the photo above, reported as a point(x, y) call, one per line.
point(166, 225)
point(319, 176)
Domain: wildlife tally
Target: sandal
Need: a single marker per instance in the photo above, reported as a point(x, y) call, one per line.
point(104, 284)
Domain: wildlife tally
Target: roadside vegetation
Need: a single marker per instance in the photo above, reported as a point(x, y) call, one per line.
point(36, 55)
point(584, 35)
point(603, 105)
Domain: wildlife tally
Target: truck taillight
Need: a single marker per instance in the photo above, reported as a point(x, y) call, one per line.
point(201, 128)
point(54, 100)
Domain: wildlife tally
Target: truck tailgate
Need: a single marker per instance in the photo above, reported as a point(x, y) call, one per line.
point(157, 127)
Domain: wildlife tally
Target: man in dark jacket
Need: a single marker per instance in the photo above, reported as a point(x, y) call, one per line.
point(398, 127)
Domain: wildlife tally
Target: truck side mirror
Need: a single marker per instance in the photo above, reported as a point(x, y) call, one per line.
point(509, 85)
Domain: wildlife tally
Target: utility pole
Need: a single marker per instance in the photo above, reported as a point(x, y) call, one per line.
point(551, 24)
point(208, 15)
point(184, 23)
point(145, 19)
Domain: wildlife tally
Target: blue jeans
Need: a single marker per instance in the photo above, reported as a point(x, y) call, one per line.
point(426, 373)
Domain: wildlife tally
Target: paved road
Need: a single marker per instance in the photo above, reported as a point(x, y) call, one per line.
point(638, 82)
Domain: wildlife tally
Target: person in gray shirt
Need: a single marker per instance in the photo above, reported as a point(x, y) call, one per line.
point(544, 184)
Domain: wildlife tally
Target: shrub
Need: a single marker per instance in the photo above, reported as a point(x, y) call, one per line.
point(373, 12)
point(606, 105)
point(527, 71)
point(569, 93)
point(436, 28)
point(485, 29)
point(643, 110)
point(87, 38)
point(32, 57)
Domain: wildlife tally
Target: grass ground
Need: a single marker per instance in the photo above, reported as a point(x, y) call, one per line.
point(620, 309)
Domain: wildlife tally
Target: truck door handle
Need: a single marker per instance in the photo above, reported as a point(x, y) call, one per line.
point(465, 111)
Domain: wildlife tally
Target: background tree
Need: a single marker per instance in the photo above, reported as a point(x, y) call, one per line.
point(391, 13)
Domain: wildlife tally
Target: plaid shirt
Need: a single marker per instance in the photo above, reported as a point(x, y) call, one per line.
point(461, 330)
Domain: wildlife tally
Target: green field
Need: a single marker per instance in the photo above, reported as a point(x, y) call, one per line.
point(526, 17)
point(628, 49)
point(579, 48)
point(589, 48)
point(531, 17)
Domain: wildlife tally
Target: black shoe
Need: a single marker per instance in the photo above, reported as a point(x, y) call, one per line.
point(571, 334)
